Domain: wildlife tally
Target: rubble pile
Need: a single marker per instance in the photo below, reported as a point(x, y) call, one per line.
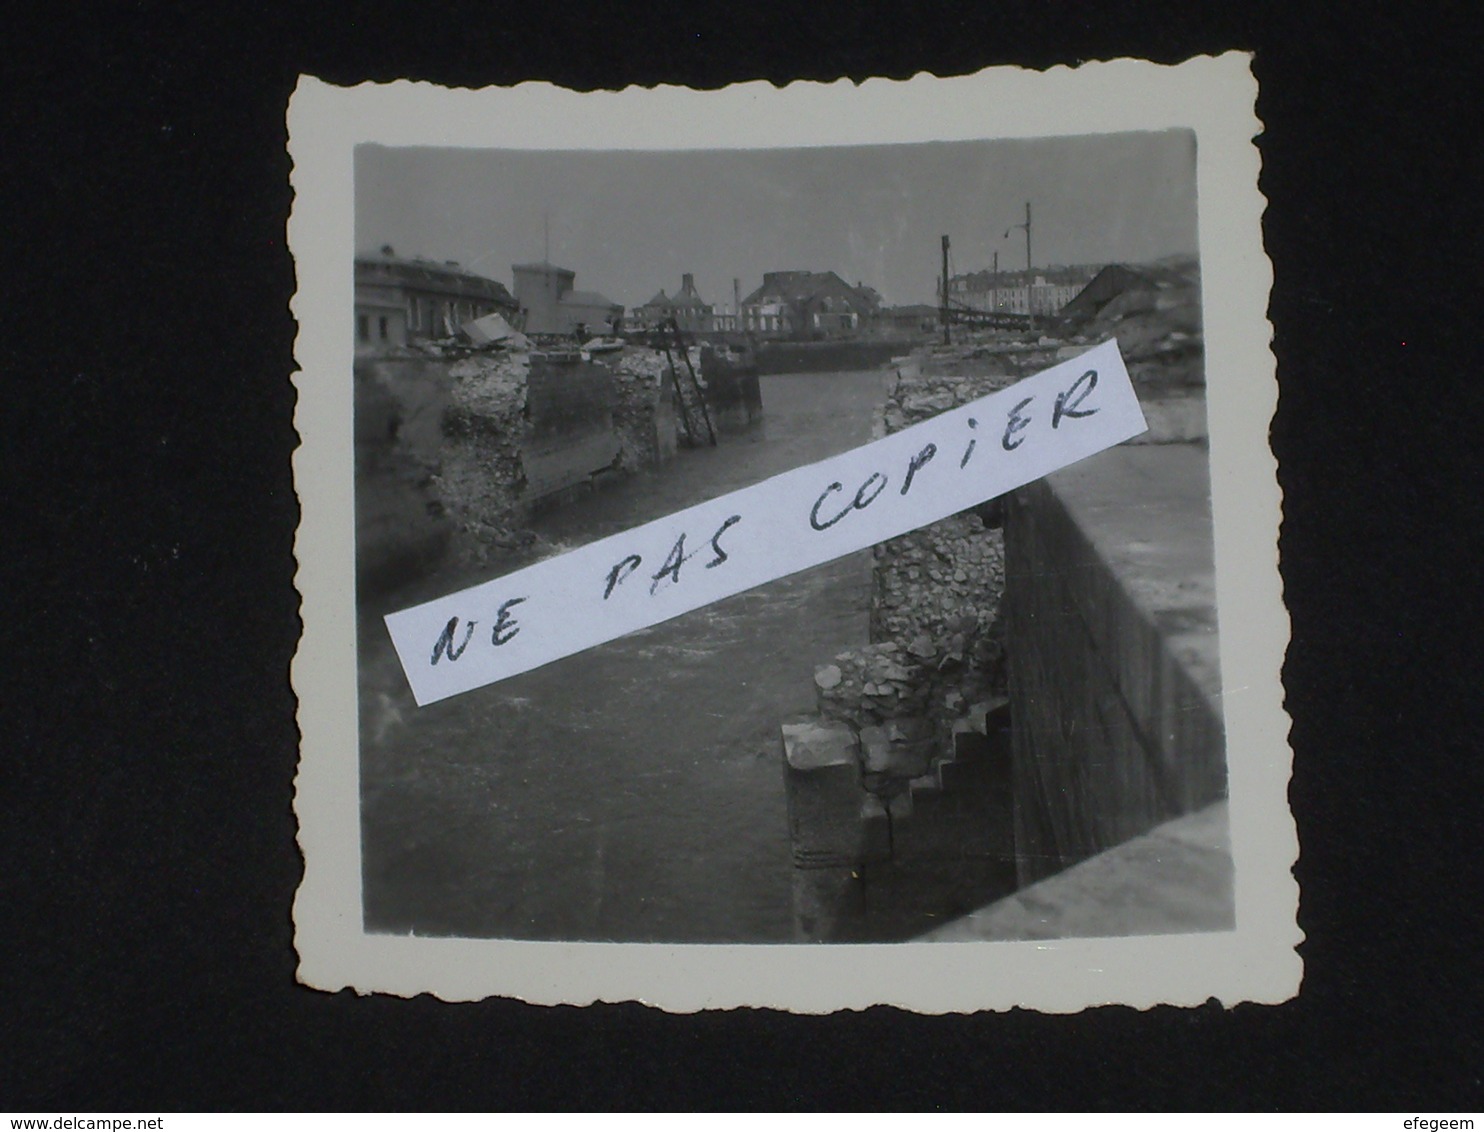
point(1158, 332)
point(1157, 323)
point(484, 431)
point(938, 588)
point(937, 636)
point(643, 416)
point(870, 685)
point(914, 399)
point(937, 592)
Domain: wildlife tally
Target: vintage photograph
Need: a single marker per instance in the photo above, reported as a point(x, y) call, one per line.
point(915, 741)
point(1004, 726)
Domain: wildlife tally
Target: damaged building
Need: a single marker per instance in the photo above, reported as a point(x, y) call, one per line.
point(399, 300)
point(808, 304)
point(689, 311)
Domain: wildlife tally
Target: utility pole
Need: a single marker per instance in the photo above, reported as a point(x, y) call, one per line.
point(1027, 227)
point(943, 311)
point(1027, 242)
point(994, 295)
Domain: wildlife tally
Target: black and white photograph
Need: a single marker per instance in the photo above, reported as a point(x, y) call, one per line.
point(1003, 726)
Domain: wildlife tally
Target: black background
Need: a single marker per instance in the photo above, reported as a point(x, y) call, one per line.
point(150, 743)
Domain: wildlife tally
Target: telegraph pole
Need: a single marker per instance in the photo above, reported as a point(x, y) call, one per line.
point(1027, 242)
point(1027, 227)
point(943, 310)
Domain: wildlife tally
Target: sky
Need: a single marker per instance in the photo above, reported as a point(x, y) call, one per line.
point(631, 222)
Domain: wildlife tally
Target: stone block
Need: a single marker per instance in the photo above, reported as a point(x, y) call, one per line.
point(909, 730)
point(910, 759)
point(822, 778)
point(876, 750)
point(930, 832)
point(926, 783)
point(987, 715)
point(962, 775)
point(817, 745)
point(827, 902)
point(876, 830)
point(899, 806)
point(969, 743)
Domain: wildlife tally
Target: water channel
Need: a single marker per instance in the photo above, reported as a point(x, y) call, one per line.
point(634, 791)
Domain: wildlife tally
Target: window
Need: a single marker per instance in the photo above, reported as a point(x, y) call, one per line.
point(363, 331)
point(381, 327)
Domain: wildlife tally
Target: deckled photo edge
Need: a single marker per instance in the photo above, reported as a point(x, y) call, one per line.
point(1254, 963)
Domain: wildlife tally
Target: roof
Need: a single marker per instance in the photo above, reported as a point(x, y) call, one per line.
point(805, 285)
point(542, 267)
point(1116, 278)
point(687, 298)
point(439, 275)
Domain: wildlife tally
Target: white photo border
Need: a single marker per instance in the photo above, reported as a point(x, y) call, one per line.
point(1213, 96)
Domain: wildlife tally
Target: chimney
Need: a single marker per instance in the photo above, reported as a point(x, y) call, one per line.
point(386, 250)
point(687, 282)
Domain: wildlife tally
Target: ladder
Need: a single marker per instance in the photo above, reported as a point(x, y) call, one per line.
point(670, 333)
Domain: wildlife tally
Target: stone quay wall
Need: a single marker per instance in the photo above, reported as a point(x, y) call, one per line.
point(734, 397)
point(402, 526)
point(1114, 675)
point(828, 357)
point(459, 447)
point(899, 786)
point(1088, 637)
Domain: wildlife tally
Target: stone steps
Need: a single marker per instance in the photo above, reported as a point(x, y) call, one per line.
point(888, 839)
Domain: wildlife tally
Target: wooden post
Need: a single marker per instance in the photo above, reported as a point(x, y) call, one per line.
point(1027, 252)
point(943, 310)
point(690, 438)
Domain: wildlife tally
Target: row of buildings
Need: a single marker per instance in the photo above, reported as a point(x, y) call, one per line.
point(1041, 293)
point(399, 299)
point(812, 304)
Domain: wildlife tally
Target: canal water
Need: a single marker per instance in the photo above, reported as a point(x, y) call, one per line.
point(634, 791)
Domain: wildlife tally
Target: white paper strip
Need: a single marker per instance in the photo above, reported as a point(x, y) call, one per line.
point(785, 524)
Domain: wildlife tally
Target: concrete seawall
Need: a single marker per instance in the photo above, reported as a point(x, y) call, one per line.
point(1040, 694)
point(570, 435)
point(824, 357)
point(1114, 675)
point(733, 397)
point(1090, 800)
point(402, 526)
point(463, 449)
